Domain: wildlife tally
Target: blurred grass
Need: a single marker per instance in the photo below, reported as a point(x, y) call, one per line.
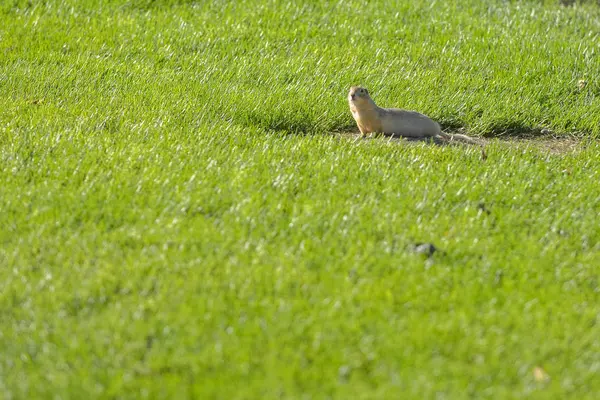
point(164, 236)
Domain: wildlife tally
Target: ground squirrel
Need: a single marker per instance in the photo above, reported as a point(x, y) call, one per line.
point(371, 118)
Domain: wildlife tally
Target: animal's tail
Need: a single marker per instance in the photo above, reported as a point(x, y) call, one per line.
point(460, 138)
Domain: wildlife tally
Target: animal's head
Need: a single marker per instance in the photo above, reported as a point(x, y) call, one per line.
point(358, 94)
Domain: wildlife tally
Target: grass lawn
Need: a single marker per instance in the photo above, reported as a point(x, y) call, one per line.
point(183, 213)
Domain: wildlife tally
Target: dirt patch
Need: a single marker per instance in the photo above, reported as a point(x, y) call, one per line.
point(548, 143)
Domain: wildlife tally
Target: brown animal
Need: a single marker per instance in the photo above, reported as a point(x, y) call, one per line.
point(371, 118)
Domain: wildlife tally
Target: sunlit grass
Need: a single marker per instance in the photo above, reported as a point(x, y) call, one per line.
point(178, 220)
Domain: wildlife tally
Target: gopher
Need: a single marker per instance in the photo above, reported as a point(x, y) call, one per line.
point(371, 118)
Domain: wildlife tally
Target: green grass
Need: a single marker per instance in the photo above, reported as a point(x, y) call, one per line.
point(177, 219)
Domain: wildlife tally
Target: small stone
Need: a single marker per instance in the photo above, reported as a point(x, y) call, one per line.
point(425, 248)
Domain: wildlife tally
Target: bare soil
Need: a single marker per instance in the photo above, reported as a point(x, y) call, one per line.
point(550, 143)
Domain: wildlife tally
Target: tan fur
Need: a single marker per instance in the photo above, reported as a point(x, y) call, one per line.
point(371, 118)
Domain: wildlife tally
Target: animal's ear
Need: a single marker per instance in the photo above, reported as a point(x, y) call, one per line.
point(367, 92)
